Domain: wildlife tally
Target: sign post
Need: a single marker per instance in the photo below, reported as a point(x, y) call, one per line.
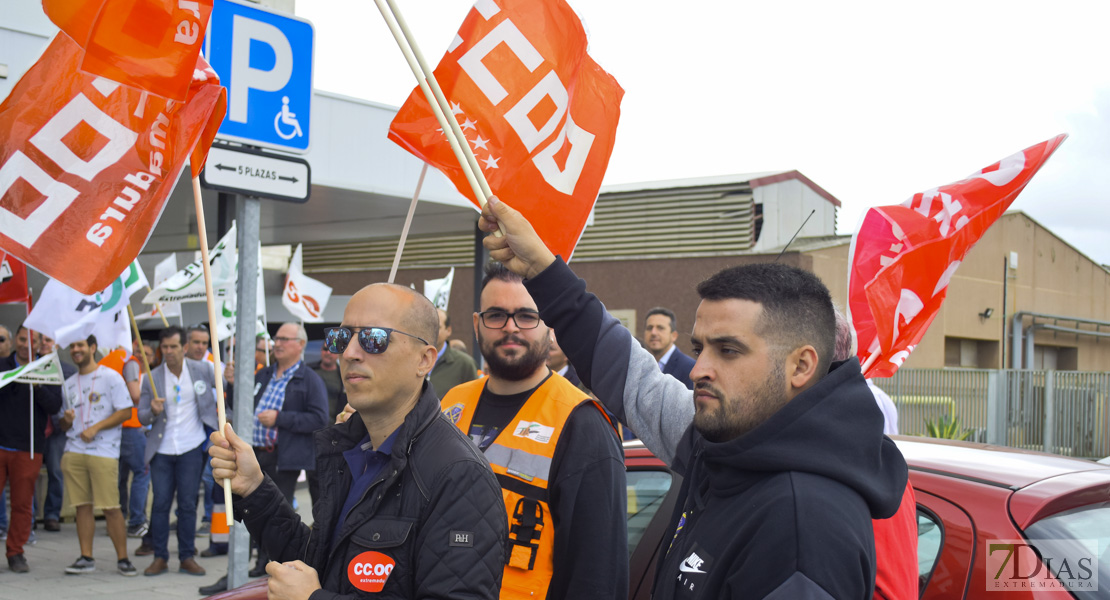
point(264, 58)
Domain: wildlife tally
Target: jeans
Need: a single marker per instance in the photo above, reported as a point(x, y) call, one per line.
point(180, 474)
point(131, 452)
point(3, 509)
point(209, 484)
point(52, 458)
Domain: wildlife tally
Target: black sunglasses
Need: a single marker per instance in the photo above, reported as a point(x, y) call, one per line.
point(374, 340)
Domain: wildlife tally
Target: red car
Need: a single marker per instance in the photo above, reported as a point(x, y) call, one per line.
point(967, 495)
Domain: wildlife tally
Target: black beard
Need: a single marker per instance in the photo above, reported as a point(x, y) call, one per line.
point(519, 368)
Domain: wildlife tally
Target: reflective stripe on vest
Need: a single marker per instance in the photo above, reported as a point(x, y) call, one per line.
point(521, 458)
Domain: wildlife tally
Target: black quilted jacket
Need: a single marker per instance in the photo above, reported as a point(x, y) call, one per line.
point(436, 513)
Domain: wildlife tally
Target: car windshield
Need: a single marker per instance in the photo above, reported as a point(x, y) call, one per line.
point(1079, 541)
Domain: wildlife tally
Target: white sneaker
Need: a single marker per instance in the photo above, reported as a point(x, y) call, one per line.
point(81, 565)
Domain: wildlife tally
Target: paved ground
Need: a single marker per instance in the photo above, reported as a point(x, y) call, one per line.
point(53, 552)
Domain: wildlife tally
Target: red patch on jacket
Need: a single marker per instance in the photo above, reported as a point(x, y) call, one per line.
point(369, 570)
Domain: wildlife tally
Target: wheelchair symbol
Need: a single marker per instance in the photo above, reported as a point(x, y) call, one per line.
point(285, 117)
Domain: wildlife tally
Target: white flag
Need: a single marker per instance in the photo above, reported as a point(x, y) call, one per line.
point(67, 315)
point(439, 290)
point(229, 307)
point(163, 271)
point(46, 371)
point(187, 285)
point(303, 296)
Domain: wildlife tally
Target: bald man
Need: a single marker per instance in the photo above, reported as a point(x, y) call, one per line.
point(408, 507)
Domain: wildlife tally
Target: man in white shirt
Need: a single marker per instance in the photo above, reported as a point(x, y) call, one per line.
point(179, 410)
point(97, 403)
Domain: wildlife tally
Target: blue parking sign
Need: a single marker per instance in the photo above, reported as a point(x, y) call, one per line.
point(265, 61)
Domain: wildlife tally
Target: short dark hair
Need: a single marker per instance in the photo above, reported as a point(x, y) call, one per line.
point(797, 307)
point(666, 312)
point(171, 331)
point(446, 317)
point(498, 271)
point(91, 340)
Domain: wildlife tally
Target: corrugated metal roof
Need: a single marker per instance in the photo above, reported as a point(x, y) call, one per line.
point(702, 217)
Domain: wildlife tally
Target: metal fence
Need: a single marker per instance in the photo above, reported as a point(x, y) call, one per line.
point(1063, 412)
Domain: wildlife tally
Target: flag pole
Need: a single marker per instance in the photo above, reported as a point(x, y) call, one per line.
point(31, 387)
point(221, 407)
point(157, 307)
point(408, 223)
point(425, 77)
point(146, 363)
point(870, 361)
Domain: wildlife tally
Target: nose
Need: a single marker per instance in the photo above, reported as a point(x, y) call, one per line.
point(510, 325)
point(702, 369)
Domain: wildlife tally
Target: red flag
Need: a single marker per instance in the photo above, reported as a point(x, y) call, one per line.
point(903, 256)
point(539, 113)
point(13, 281)
point(86, 164)
point(149, 44)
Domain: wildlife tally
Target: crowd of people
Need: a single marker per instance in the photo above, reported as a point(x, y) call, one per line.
point(431, 474)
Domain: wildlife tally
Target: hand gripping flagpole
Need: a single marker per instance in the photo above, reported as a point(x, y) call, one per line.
point(221, 407)
point(425, 77)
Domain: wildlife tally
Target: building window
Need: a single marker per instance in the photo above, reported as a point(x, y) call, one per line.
point(1055, 358)
point(970, 354)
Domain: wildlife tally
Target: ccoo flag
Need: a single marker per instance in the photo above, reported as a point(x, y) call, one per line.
point(152, 45)
point(303, 296)
point(903, 256)
point(538, 112)
point(87, 164)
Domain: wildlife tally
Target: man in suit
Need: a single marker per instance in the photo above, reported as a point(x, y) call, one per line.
point(452, 366)
point(660, 334)
point(182, 411)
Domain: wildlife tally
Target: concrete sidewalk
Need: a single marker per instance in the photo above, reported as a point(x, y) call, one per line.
point(53, 552)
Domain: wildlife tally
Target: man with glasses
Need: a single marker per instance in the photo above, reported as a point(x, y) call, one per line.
point(555, 453)
point(408, 508)
point(180, 411)
point(290, 403)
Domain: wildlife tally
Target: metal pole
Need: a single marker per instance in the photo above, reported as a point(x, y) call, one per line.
point(248, 212)
point(481, 255)
point(1005, 297)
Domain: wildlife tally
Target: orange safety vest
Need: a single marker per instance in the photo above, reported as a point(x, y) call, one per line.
point(115, 360)
point(521, 458)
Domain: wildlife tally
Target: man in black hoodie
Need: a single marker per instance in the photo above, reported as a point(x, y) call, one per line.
point(785, 463)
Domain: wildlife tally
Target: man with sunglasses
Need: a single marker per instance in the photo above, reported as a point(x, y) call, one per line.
point(408, 508)
point(555, 453)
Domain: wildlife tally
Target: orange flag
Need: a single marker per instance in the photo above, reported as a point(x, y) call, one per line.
point(149, 44)
point(539, 113)
point(86, 164)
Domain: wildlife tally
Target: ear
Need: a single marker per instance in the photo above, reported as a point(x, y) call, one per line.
point(801, 368)
point(476, 324)
point(427, 361)
point(674, 336)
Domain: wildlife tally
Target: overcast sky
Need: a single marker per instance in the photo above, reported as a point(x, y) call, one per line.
point(874, 101)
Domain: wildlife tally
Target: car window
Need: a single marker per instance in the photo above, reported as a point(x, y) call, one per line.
point(1074, 533)
point(930, 539)
point(646, 490)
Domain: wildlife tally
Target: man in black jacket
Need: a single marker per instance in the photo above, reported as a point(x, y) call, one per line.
point(408, 507)
point(290, 403)
point(785, 463)
point(18, 466)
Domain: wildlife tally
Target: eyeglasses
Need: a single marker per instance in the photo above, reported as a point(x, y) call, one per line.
point(374, 340)
point(497, 319)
